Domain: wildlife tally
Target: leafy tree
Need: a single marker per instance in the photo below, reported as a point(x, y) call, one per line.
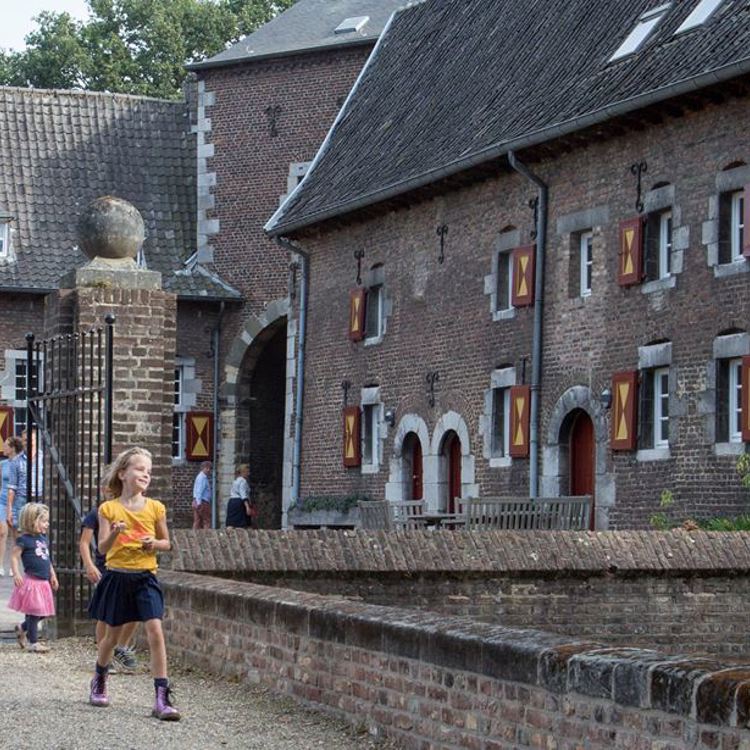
point(131, 46)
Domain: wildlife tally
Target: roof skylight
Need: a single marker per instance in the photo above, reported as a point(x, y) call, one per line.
point(647, 22)
point(701, 13)
point(348, 25)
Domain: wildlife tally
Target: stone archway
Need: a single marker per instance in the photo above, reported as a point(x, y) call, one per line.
point(555, 478)
point(410, 427)
point(436, 470)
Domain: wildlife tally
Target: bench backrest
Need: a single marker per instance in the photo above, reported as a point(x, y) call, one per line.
point(408, 514)
point(375, 514)
point(558, 513)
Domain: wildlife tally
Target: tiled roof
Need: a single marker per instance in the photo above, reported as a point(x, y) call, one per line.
point(61, 149)
point(307, 26)
point(198, 283)
point(453, 84)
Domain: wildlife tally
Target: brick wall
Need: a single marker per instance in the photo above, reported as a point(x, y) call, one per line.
point(680, 592)
point(441, 321)
point(431, 681)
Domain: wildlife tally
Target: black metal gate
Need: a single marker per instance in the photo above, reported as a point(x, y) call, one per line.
point(69, 416)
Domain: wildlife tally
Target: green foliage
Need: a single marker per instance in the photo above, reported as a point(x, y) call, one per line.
point(340, 503)
point(743, 469)
point(131, 46)
point(740, 523)
point(661, 520)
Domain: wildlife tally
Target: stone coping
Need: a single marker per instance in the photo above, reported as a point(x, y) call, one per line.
point(326, 551)
point(702, 689)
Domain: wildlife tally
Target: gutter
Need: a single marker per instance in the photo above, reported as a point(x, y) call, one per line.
point(276, 226)
point(536, 342)
point(299, 384)
point(215, 344)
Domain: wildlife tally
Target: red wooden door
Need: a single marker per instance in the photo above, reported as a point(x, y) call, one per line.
point(453, 451)
point(416, 469)
point(582, 458)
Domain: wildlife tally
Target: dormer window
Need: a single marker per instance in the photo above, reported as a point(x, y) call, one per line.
point(4, 238)
point(350, 25)
point(647, 22)
point(701, 13)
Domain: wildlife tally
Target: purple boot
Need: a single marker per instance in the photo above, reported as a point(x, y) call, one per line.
point(163, 708)
point(98, 695)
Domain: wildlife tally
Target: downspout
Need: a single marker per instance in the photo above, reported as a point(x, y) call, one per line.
point(536, 344)
point(215, 343)
point(299, 385)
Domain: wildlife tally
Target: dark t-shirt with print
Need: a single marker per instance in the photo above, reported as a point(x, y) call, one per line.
point(35, 555)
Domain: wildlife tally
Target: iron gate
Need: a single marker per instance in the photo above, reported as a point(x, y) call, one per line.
point(69, 413)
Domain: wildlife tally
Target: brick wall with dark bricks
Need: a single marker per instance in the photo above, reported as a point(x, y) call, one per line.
point(680, 592)
point(21, 314)
point(431, 681)
point(441, 319)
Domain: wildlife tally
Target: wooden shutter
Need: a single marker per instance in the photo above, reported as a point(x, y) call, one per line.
point(6, 425)
point(523, 276)
point(352, 443)
point(746, 223)
point(199, 443)
point(520, 408)
point(630, 258)
point(624, 410)
point(357, 300)
point(746, 396)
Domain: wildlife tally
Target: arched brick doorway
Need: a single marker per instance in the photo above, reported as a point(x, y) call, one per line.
point(413, 467)
point(450, 457)
point(581, 456)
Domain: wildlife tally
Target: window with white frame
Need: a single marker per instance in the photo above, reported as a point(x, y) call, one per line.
point(370, 434)
point(729, 400)
point(178, 416)
point(658, 245)
point(500, 437)
point(586, 257)
point(699, 15)
point(646, 24)
point(504, 281)
point(731, 226)
point(374, 312)
point(654, 408)
point(14, 391)
point(4, 238)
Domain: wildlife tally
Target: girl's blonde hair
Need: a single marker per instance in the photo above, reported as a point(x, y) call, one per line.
point(111, 479)
point(30, 514)
point(240, 467)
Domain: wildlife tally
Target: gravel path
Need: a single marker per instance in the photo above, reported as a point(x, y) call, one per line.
point(43, 705)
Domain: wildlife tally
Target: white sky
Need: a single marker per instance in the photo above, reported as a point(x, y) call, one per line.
point(17, 17)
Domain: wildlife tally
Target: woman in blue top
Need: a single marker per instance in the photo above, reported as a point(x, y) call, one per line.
point(8, 516)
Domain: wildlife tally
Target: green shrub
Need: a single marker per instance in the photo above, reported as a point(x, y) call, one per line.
point(339, 503)
point(740, 523)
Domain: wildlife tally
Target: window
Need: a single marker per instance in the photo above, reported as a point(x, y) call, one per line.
point(369, 434)
point(731, 226)
point(500, 442)
point(178, 417)
point(701, 13)
point(729, 400)
point(643, 29)
point(655, 408)
point(297, 172)
point(658, 246)
point(586, 244)
point(16, 363)
point(504, 289)
point(374, 312)
point(4, 238)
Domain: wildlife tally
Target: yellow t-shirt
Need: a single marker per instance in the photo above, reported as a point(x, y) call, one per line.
point(127, 551)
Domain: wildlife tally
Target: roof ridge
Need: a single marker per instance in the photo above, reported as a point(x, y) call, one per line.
point(32, 90)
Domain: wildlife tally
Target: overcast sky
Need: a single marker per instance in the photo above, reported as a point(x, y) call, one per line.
point(17, 17)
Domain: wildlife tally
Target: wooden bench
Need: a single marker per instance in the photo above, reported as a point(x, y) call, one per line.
point(387, 516)
point(408, 514)
point(524, 514)
point(375, 515)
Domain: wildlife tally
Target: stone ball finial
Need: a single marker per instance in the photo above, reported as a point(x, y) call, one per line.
point(112, 228)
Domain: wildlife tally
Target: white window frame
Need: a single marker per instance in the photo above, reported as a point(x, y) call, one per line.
point(504, 259)
point(178, 415)
point(735, 400)
point(699, 15)
point(661, 407)
point(665, 244)
point(14, 358)
point(377, 335)
point(737, 226)
point(4, 238)
point(504, 449)
point(370, 437)
point(645, 26)
point(586, 253)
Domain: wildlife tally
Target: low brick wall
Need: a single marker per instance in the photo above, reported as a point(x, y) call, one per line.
point(680, 592)
point(431, 681)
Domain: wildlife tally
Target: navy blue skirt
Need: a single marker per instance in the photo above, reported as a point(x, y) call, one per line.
point(127, 597)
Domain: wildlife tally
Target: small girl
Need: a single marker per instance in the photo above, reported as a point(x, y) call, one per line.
point(132, 529)
point(32, 594)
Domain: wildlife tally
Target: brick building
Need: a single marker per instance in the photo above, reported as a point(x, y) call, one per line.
point(596, 342)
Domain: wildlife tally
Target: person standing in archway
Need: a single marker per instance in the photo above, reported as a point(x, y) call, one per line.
point(239, 512)
point(202, 497)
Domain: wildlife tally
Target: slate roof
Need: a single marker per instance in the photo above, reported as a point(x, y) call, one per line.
point(306, 27)
point(61, 149)
point(452, 84)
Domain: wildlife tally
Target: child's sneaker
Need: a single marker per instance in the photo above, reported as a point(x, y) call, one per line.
point(125, 659)
point(37, 648)
point(98, 692)
point(163, 708)
point(21, 636)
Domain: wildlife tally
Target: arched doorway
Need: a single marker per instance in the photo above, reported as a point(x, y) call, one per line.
point(581, 456)
point(450, 457)
point(413, 467)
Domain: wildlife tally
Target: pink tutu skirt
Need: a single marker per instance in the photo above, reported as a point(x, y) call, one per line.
point(33, 598)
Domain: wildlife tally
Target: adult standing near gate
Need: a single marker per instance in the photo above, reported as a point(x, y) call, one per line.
point(18, 476)
point(8, 509)
point(202, 497)
point(239, 512)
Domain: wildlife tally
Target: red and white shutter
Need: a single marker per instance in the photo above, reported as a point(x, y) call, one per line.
point(746, 399)
point(520, 409)
point(523, 276)
point(200, 436)
point(352, 448)
point(630, 258)
point(357, 298)
point(624, 411)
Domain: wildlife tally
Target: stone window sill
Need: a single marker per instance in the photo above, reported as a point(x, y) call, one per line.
point(659, 285)
point(370, 468)
point(500, 462)
point(723, 270)
point(653, 454)
point(508, 314)
point(729, 449)
point(374, 340)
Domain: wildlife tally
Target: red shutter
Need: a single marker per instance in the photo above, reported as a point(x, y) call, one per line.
point(746, 222)
point(6, 425)
point(199, 443)
point(523, 276)
point(520, 408)
point(624, 410)
point(357, 314)
point(352, 447)
point(630, 259)
point(746, 398)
